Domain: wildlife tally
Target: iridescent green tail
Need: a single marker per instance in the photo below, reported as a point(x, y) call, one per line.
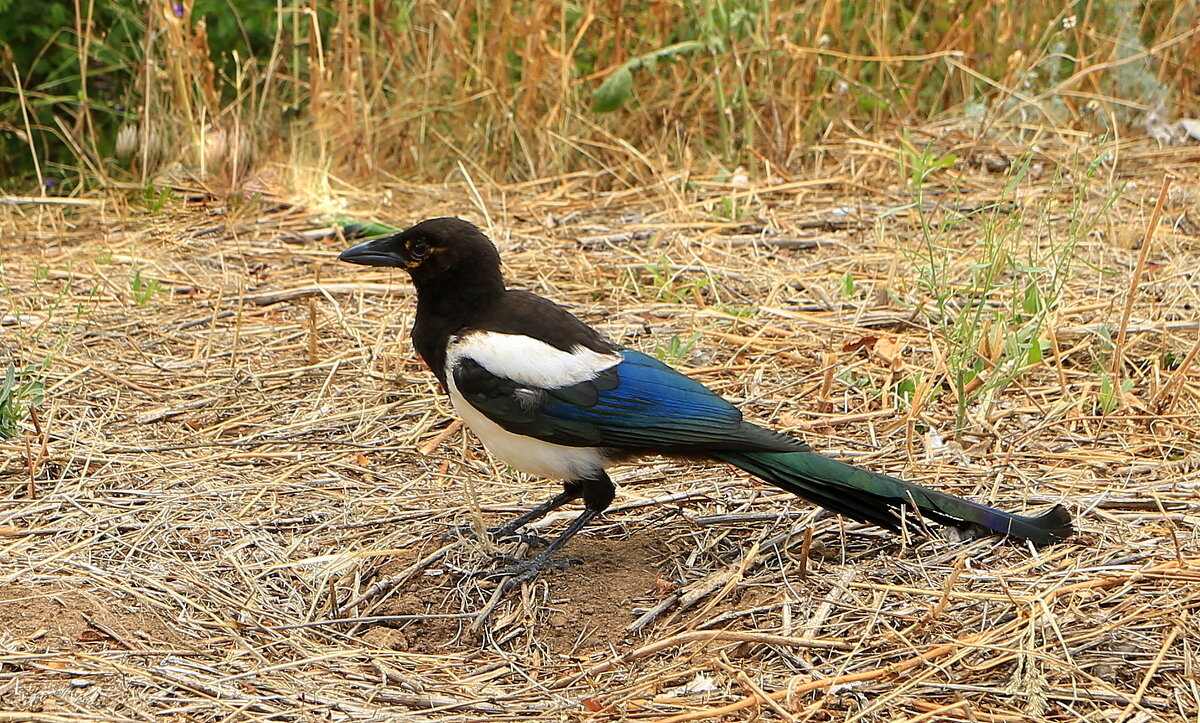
point(879, 499)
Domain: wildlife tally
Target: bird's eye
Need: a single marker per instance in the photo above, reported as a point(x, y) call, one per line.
point(418, 249)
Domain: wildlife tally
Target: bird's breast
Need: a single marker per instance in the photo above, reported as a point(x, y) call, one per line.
point(529, 455)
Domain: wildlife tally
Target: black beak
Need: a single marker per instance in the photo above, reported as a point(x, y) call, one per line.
point(376, 252)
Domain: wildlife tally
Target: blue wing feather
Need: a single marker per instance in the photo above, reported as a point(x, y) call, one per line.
point(648, 393)
point(640, 404)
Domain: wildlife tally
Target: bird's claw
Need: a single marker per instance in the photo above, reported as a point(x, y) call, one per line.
point(497, 535)
point(519, 571)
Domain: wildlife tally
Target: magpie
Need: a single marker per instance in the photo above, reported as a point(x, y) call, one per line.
point(550, 396)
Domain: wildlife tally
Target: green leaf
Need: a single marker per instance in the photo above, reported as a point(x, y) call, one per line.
point(618, 86)
point(945, 161)
point(847, 285)
point(10, 382)
point(1032, 303)
point(1037, 351)
point(614, 91)
point(353, 229)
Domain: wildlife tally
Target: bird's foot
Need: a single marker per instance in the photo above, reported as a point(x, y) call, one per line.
point(502, 534)
point(498, 534)
point(519, 571)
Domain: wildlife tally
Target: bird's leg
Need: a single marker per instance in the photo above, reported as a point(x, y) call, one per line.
point(597, 491)
point(572, 490)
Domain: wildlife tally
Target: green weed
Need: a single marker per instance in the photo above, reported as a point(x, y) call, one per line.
point(904, 391)
point(156, 200)
point(1108, 397)
point(668, 286)
point(742, 312)
point(992, 312)
point(677, 348)
point(141, 289)
point(847, 285)
point(856, 380)
point(20, 391)
point(618, 86)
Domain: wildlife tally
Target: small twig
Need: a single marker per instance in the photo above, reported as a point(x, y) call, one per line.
point(383, 587)
point(1154, 665)
point(156, 415)
point(371, 619)
point(755, 689)
point(50, 200)
point(728, 581)
point(327, 290)
point(31, 485)
point(1134, 281)
point(805, 551)
point(947, 587)
point(228, 695)
point(1164, 399)
point(440, 702)
point(312, 330)
point(433, 444)
point(938, 712)
point(706, 636)
point(693, 592)
point(839, 590)
point(613, 239)
point(493, 602)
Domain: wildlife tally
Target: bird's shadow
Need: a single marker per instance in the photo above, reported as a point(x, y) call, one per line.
point(572, 611)
point(625, 570)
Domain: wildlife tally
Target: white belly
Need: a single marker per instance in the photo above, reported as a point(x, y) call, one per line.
point(527, 454)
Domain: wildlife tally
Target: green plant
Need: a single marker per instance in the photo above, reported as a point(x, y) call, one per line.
point(856, 380)
point(157, 199)
point(904, 391)
point(993, 299)
point(714, 25)
point(667, 283)
point(20, 391)
point(730, 209)
point(847, 285)
point(1108, 397)
point(618, 86)
point(142, 290)
point(677, 348)
point(741, 312)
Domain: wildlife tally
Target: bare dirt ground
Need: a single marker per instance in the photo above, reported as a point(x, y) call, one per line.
point(233, 503)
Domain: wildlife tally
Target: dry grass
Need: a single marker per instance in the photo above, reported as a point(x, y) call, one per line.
point(347, 89)
point(217, 472)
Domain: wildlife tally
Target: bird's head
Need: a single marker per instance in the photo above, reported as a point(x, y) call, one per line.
point(435, 252)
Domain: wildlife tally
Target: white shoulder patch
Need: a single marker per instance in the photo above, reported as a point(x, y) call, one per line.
point(526, 360)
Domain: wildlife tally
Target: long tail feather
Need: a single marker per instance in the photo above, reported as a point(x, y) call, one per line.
point(872, 497)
